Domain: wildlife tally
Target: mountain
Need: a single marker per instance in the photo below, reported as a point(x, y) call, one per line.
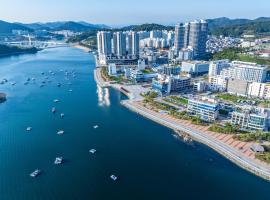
point(35, 26)
point(99, 26)
point(76, 27)
point(238, 27)
point(6, 27)
point(147, 27)
point(224, 21)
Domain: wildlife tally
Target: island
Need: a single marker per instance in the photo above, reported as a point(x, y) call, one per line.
point(6, 50)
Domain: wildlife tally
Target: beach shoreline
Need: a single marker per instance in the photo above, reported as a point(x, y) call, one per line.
point(78, 46)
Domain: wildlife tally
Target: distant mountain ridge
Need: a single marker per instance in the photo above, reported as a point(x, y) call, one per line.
point(217, 26)
point(237, 27)
point(6, 27)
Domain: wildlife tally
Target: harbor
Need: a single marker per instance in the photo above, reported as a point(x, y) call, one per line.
point(101, 138)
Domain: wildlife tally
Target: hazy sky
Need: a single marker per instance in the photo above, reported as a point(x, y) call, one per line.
point(122, 12)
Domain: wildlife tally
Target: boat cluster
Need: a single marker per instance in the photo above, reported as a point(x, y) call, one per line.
point(68, 74)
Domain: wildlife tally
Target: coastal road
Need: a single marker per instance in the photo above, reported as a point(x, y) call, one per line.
point(222, 148)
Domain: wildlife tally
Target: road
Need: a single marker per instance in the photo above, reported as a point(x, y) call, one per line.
point(232, 154)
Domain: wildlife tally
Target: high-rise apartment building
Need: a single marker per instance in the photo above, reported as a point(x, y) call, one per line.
point(104, 43)
point(119, 44)
point(135, 44)
point(179, 37)
point(193, 34)
point(198, 31)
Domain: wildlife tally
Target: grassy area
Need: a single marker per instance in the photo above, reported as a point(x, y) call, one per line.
point(105, 75)
point(265, 157)
point(254, 59)
point(265, 104)
point(230, 97)
point(177, 100)
point(249, 137)
point(147, 71)
point(239, 54)
point(227, 129)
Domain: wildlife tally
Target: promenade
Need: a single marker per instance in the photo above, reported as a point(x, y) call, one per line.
point(236, 151)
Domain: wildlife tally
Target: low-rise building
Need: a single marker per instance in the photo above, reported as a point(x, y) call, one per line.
point(218, 83)
point(260, 90)
point(199, 86)
point(171, 70)
point(139, 76)
point(195, 67)
point(205, 108)
point(248, 120)
point(167, 84)
point(112, 70)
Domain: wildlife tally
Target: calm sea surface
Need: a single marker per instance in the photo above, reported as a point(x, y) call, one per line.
point(149, 161)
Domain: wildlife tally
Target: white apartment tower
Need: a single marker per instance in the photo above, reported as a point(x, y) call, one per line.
point(119, 43)
point(135, 44)
point(104, 43)
point(179, 37)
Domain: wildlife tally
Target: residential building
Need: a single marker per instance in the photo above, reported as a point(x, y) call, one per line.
point(179, 37)
point(197, 37)
point(135, 44)
point(119, 44)
point(104, 43)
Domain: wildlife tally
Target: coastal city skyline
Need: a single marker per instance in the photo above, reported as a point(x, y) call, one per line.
point(122, 12)
point(134, 100)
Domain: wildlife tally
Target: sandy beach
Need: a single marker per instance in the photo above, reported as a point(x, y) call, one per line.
point(84, 48)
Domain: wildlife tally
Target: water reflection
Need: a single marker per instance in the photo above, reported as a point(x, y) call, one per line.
point(103, 96)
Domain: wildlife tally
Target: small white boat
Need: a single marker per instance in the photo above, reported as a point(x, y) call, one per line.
point(62, 115)
point(14, 83)
point(29, 128)
point(58, 160)
point(95, 127)
point(70, 90)
point(113, 177)
point(56, 101)
point(92, 151)
point(35, 173)
point(53, 110)
point(59, 85)
point(61, 132)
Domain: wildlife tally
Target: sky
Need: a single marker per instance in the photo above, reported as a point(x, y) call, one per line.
point(124, 12)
